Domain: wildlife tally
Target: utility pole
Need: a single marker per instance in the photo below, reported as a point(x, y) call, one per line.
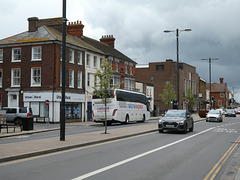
point(62, 108)
point(210, 83)
point(177, 37)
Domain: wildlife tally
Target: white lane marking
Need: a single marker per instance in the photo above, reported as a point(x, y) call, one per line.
point(137, 156)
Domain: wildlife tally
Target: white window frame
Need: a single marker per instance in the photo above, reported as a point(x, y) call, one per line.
point(1, 77)
point(36, 77)
point(79, 58)
point(95, 61)
point(71, 56)
point(88, 60)
point(126, 68)
point(15, 57)
point(14, 78)
point(37, 51)
point(79, 80)
point(1, 55)
point(71, 78)
point(130, 69)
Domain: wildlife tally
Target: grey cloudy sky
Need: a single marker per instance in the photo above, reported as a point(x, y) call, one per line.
point(138, 27)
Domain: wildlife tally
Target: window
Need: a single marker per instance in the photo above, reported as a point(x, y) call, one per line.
point(71, 56)
point(219, 103)
point(71, 78)
point(101, 60)
point(95, 61)
point(126, 69)
point(79, 79)
point(222, 95)
point(130, 69)
point(15, 77)
point(129, 84)
point(16, 54)
point(36, 53)
point(36, 76)
point(1, 77)
point(159, 67)
point(79, 58)
point(88, 79)
point(88, 60)
point(1, 55)
point(110, 62)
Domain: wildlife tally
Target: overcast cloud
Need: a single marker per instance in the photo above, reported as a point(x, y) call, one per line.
point(138, 27)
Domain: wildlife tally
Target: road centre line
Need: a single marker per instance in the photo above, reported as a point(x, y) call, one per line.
point(138, 156)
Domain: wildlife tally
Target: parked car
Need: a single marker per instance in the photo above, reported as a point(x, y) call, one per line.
point(176, 120)
point(214, 115)
point(237, 110)
point(17, 114)
point(230, 112)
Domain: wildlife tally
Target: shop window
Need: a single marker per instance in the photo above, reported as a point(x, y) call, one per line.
point(73, 111)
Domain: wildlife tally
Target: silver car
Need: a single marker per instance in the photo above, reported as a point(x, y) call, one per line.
point(17, 114)
point(214, 115)
point(176, 120)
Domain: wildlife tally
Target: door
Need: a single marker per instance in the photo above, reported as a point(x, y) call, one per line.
point(89, 111)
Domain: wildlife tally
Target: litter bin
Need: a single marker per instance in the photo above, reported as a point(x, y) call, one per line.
point(27, 124)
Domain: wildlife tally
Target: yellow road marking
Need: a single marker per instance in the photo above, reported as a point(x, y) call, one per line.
point(222, 161)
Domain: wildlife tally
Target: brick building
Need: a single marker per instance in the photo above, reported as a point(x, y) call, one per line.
point(30, 68)
point(160, 72)
point(220, 94)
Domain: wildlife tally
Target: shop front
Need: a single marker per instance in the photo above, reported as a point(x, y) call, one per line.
point(46, 105)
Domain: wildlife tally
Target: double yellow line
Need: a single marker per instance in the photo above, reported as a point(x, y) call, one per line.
point(213, 173)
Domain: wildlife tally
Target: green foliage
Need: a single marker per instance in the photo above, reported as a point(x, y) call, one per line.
point(104, 76)
point(169, 94)
point(189, 96)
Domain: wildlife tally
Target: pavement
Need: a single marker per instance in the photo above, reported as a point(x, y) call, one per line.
point(26, 149)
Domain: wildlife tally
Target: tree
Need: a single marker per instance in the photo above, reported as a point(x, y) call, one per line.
point(103, 85)
point(169, 94)
point(189, 96)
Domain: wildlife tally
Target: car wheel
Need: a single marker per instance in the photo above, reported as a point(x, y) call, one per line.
point(18, 121)
point(160, 130)
point(185, 129)
point(191, 129)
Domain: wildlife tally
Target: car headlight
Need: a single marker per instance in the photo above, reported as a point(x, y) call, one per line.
point(181, 122)
point(160, 121)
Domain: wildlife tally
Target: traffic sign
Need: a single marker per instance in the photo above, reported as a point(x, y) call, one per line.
point(187, 101)
point(47, 102)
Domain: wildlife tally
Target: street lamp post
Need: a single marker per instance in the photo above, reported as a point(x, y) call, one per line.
point(62, 108)
point(177, 31)
point(210, 83)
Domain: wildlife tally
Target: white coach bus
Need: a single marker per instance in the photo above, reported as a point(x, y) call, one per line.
point(124, 106)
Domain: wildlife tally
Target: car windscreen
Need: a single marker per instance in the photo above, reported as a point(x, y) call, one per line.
point(214, 112)
point(175, 114)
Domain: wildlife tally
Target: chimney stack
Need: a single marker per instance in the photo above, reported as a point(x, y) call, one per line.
point(108, 39)
point(75, 29)
point(221, 80)
point(32, 24)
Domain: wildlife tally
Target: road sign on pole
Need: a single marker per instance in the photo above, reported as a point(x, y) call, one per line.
point(187, 101)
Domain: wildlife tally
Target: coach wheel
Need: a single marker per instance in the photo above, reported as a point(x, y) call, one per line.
point(127, 119)
point(143, 118)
